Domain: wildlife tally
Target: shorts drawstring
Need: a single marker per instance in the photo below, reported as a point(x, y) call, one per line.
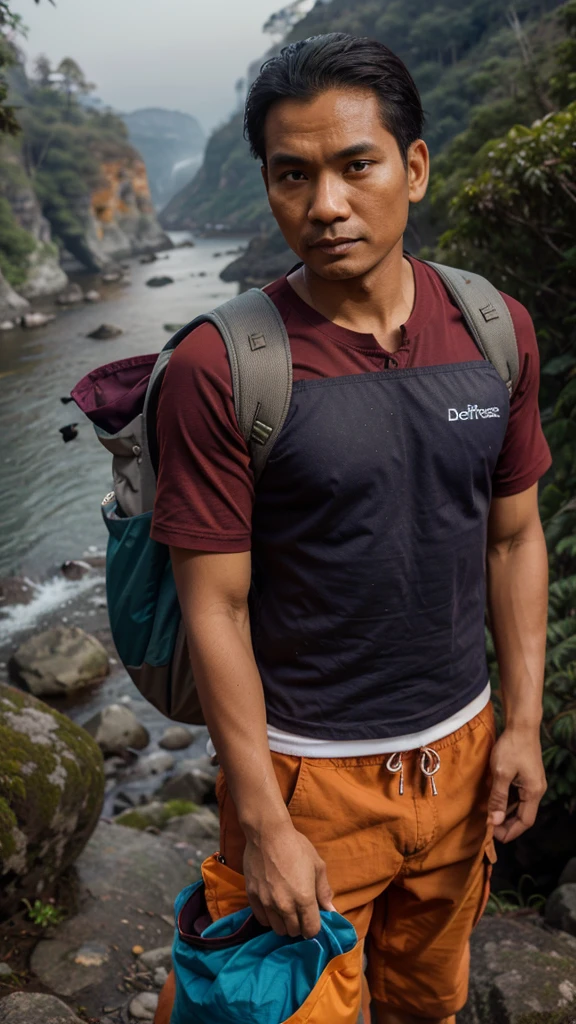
point(429, 765)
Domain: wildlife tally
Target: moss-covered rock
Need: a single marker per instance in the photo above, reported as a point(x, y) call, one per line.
point(51, 792)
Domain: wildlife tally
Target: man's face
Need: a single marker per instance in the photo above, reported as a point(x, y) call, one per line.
point(337, 184)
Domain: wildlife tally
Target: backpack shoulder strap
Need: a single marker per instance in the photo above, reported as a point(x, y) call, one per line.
point(487, 317)
point(261, 364)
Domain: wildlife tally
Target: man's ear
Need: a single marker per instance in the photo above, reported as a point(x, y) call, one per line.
point(264, 171)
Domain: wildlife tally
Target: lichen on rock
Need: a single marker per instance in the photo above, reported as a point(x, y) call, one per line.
point(51, 792)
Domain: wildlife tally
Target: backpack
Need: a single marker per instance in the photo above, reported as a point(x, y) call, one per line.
point(121, 399)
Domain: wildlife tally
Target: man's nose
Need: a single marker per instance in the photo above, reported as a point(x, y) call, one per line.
point(329, 201)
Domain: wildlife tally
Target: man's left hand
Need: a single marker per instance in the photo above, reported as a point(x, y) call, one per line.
point(516, 761)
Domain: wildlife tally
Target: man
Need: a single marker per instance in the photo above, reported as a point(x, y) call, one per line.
point(349, 705)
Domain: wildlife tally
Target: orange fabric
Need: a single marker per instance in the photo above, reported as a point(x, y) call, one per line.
point(411, 872)
point(166, 1001)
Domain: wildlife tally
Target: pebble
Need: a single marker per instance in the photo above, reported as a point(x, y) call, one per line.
point(160, 977)
point(6, 970)
point(144, 1006)
point(176, 737)
point(153, 959)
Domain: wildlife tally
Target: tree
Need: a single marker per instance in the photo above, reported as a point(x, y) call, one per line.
point(9, 23)
point(42, 71)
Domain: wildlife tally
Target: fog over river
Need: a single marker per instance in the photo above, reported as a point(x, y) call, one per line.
point(51, 491)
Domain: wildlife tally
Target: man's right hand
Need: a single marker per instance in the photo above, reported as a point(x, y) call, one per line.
point(286, 882)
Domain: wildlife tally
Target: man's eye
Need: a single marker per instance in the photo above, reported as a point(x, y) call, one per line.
point(294, 176)
point(360, 165)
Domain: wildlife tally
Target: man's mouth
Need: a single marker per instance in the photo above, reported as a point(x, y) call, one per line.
point(335, 246)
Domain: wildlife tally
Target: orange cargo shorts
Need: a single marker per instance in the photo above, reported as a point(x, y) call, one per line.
point(408, 855)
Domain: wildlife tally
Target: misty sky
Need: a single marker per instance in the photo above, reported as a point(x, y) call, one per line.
point(180, 54)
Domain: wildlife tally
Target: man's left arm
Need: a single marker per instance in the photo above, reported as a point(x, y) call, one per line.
point(517, 567)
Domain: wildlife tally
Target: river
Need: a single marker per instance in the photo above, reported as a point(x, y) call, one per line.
point(51, 491)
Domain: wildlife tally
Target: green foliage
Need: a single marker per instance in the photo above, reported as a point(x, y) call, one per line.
point(514, 220)
point(44, 914)
point(508, 901)
point(563, 83)
point(16, 245)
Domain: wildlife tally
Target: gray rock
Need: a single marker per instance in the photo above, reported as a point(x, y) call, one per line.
point(8, 325)
point(37, 319)
point(519, 969)
point(116, 728)
point(560, 910)
point(154, 959)
point(160, 977)
point(144, 1006)
point(105, 332)
point(11, 304)
point(201, 824)
point(144, 816)
point(51, 792)
point(159, 282)
point(71, 296)
point(176, 737)
point(568, 876)
point(127, 884)
point(59, 661)
point(157, 763)
point(5, 970)
point(192, 784)
point(92, 296)
point(33, 1008)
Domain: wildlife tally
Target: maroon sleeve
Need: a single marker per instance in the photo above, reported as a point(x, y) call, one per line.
point(525, 455)
point(205, 487)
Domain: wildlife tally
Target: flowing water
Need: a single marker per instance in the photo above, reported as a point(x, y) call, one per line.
point(51, 491)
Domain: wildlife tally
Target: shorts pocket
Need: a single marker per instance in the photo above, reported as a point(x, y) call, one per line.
point(336, 996)
point(291, 774)
point(489, 861)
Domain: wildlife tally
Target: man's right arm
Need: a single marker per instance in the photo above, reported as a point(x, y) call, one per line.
point(285, 878)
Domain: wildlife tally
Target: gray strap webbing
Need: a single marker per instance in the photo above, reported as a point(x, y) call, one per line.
point(487, 317)
point(261, 363)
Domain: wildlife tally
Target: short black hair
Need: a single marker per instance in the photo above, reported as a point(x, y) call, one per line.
point(304, 69)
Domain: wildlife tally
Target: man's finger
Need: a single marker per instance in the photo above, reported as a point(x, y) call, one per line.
point(276, 921)
point(309, 918)
point(259, 912)
point(324, 892)
point(519, 822)
point(498, 801)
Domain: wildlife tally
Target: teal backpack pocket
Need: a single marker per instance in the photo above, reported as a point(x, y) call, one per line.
point(142, 599)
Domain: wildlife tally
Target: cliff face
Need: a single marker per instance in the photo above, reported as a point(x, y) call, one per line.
point(228, 188)
point(171, 143)
point(70, 183)
point(121, 220)
point(30, 257)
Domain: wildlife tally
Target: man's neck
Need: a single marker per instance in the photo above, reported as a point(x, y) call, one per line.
point(377, 303)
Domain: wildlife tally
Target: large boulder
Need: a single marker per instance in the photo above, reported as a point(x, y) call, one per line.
point(560, 909)
point(58, 661)
point(116, 728)
point(521, 973)
point(35, 1008)
point(51, 793)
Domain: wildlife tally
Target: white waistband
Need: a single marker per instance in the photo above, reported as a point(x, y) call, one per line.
point(308, 746)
